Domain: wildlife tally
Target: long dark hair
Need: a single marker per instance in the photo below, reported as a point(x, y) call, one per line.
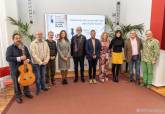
point(66, 38)
point(118, 31)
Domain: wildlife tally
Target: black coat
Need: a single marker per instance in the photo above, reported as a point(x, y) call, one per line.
point(81, 47)
point(11, 56)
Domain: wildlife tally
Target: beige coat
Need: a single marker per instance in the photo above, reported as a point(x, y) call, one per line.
point(35, 52)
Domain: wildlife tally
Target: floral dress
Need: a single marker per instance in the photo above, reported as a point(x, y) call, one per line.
point(104, 61)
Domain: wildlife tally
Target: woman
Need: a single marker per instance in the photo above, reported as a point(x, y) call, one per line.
point(116, 46)
point(63, 47)
point(104, 56)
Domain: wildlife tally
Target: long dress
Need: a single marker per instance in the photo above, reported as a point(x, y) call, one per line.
point(63, 48)
point(103, 61)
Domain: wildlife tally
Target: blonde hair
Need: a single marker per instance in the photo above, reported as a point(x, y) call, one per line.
point(103, 35)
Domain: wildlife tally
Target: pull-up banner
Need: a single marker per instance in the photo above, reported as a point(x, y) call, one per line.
point(87, 22)
point(55, 23)
point(58, 22)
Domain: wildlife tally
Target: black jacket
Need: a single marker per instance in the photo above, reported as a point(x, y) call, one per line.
point(52, 47)
point(81, 46)
point(11, 56)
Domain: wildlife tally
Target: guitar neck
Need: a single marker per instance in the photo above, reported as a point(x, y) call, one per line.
point(23, 51)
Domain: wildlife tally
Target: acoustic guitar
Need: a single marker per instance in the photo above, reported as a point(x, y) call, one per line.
point(26, 77)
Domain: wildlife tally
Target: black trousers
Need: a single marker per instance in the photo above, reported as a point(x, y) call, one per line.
point(50, 71)
point(92, 68)
point(17, 88)
point(115, 71)
point(77, 61)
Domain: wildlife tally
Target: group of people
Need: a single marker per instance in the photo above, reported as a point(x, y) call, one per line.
point(43, 54)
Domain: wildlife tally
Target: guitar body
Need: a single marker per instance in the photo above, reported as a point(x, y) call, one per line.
point(26, 77)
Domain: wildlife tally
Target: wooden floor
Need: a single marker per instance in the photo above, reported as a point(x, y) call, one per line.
point(5, 98)
point(159, 90)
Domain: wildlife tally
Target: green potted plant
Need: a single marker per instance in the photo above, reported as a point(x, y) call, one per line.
point(124, 28)
point(23, 28)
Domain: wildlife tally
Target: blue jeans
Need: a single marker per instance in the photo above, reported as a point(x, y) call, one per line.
point(40, 71)
point(134, 63)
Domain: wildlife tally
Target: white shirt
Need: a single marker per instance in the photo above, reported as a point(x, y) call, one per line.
point(94, 45)
point(134, 46)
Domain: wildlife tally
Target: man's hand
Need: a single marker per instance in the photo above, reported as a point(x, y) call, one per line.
point(52, 57)
point(154, 62)
point(65, 58)
point(44, 63)
point(26, 61)
point(23, 57)
point(94, 56)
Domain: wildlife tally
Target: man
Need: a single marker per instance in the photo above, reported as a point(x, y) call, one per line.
point(78, 53)
point(40, 55)
point(132, 49)
point(51, 66)
point(15, 58)
point(92, 53)
point(150, 55)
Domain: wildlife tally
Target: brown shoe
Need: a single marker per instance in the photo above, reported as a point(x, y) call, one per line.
point(138, 82)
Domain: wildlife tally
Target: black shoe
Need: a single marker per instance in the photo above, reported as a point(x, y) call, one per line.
point(53, 83)
point(117, 80)
point(130, 80)
point(75, 80)
point(19, 100)
point(64, 82)
point(83, 80)
point(37, 92)
point(113, 79)
point(29, 96)
point(45, 89)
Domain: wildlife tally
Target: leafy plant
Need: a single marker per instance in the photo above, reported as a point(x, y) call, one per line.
point(110, 27)
point(23, 28)
point(124, 28)
point(127, 28)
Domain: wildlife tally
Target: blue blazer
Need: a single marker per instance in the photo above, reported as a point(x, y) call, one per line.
point(89, 49)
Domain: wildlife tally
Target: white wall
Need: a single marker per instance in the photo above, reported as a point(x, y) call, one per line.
point(132, 11)
point(138, 11)
point(159, 78)
point(41, 7)
point(7, 8)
